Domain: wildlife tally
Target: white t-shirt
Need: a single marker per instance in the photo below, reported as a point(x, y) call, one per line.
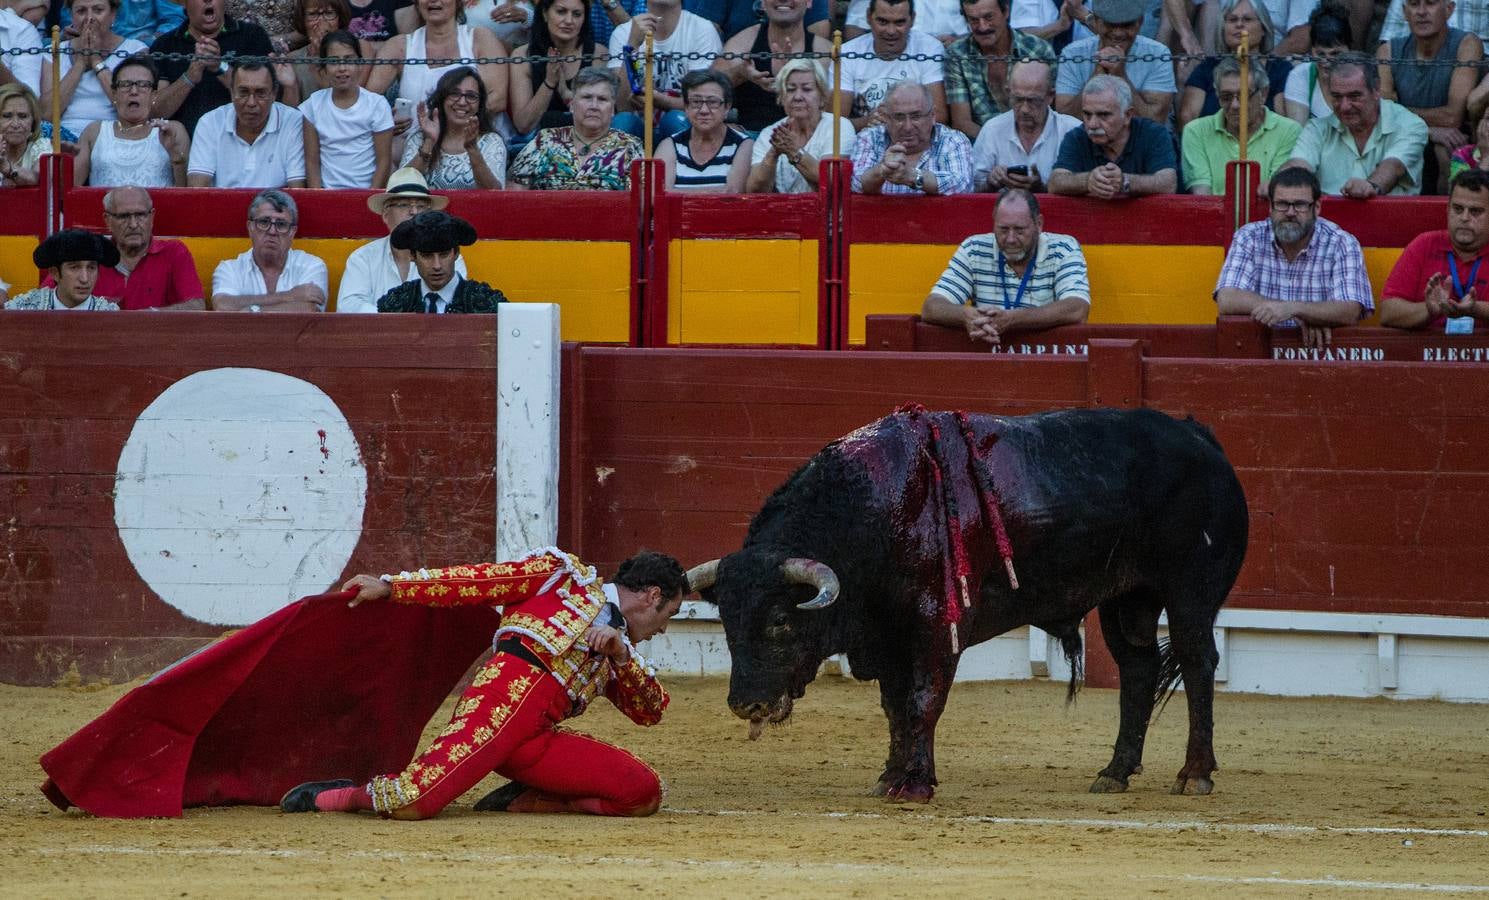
point(347, 158)
point(1296, 90)
point(933, 17)
point(240, 277)
point(274, 159)
point(867, 79)
point(1289, 14)
point(998, 144)
point(693, 34)
point(89, 102)
point(18, 34)
point(1024, 14)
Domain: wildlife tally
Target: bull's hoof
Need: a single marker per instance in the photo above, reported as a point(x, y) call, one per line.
point(1196, 785)
point(910, 792)
point(879, 790)
point(1106, 784)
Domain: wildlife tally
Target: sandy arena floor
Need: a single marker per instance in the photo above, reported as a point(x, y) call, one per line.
point(1315, 797)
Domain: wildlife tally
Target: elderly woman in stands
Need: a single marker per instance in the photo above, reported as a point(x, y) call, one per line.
point(133, 148)
point(455, 146)
point(316, 19)
point(708, 156)
point(586, 156)
point(21, 143)
point(540, 92)
point(87, 66)
point(786, 153)
point(1239, 20)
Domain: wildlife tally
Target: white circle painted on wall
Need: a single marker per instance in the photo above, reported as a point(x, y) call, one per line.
point(238, 491)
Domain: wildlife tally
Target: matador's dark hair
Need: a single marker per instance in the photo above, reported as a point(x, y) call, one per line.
point(649, 568)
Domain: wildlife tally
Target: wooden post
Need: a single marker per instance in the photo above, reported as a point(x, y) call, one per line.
point(1245, 97)
point(837, 93)
point(56, 89)
point(650, 85)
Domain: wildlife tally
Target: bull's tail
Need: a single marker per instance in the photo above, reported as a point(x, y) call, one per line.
point(1070, 643)
point(1168, 677)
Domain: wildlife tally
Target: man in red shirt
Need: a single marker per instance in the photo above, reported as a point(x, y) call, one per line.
point(1438, 278)
point(151, 274)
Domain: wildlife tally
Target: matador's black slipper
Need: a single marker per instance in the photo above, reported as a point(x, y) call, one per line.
point(301, 798)
point(501, 798)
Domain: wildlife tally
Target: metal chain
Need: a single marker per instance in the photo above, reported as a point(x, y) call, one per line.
point(1262, 58)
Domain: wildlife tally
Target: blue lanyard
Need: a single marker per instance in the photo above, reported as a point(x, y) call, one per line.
point(1473, 275)
point(1018, 298)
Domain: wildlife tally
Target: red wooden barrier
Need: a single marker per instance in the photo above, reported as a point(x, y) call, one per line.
point(1234, 337)
point(416, 391)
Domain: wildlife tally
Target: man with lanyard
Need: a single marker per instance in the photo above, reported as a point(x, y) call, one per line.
point(1427, 287)
point(1019, 278)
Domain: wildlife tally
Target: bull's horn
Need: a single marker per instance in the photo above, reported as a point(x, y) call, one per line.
point(703, 575)
point(819, 575)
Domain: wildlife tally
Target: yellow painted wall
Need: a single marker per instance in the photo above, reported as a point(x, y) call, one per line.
point(742, 292)
point(16, 268)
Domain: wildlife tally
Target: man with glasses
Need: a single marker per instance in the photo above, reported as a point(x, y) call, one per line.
point(1212, 141)
point(377, 267)
point(150, 273)
point(195, 80)
point(1369, 146)
point(1295, 269)
point(1017, 149)
point(1118, 50)
point(913, 153)
point(255, 142)
point(270, 276)
point(979, 66)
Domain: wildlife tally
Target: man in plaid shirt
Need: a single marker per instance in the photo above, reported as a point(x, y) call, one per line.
point(1295, 268)
point(912, 153)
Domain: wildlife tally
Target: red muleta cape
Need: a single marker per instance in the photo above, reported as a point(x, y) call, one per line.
point(316, 690)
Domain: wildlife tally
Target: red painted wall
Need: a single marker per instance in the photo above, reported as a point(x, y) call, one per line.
point(417, 392)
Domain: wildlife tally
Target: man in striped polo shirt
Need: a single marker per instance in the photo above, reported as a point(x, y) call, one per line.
point(1018, 278)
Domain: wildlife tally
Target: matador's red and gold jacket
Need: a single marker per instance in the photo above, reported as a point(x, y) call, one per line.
point(548, 600)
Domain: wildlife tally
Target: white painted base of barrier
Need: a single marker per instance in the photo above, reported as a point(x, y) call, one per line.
point(1261, 651)
point(527, 412)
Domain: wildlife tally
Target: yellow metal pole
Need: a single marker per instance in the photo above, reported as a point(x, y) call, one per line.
point(1245, 96)
point(56, 89)
point(837, 93)
point(650, 85)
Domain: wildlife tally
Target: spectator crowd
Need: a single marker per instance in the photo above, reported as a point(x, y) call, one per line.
point(1098, 98)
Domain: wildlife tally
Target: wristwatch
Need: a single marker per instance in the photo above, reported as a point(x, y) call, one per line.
point(610, 5)
point(255, 308)
point(920, 179)
point(1126, 184)
point(99, 68)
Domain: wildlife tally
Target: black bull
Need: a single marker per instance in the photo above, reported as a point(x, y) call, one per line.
point(864, 551)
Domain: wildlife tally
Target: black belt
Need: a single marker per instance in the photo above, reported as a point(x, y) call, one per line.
point(514, 647)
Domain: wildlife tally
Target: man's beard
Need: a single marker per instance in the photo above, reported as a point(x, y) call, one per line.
point(1015, 254)
point(1291, 232)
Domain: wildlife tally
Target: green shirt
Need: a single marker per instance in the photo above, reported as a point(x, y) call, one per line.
point(1208, 147)
point(966, 73)
point(1330, 149)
